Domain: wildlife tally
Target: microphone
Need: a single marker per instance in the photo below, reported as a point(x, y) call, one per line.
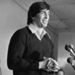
point(69, 60)
point(70, 48)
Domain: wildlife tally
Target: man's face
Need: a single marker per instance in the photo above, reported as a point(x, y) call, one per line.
point(42, 18)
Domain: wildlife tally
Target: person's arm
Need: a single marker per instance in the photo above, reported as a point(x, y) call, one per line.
point(17, 47)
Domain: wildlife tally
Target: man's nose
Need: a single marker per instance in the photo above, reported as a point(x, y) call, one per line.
point(46, 16)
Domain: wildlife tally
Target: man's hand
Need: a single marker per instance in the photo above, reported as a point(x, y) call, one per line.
point(42, 64)
point(49, 65)
point(53, 65)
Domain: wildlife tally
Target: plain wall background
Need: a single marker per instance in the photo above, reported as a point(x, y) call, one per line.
point(12, 17)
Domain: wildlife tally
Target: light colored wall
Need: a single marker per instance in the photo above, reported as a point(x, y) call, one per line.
point(65, 38)
point(12, 17)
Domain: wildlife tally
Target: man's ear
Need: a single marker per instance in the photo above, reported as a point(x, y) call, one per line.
point(33, 18)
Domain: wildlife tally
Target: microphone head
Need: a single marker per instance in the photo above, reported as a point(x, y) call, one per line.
point(69, 60)
point(68, 47)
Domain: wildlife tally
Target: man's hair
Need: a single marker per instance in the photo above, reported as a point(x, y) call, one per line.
point(36, 8)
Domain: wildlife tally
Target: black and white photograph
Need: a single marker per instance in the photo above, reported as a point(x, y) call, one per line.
point(37, 37)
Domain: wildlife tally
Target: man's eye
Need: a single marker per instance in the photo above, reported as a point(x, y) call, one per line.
point(41, 13)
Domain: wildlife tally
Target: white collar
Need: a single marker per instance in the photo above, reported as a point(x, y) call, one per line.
point(39, 32)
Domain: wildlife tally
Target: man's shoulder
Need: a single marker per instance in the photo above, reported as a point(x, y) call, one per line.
point(21, 32)
point(24, 29)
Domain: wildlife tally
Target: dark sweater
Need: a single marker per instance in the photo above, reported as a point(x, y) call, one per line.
point(26, 50)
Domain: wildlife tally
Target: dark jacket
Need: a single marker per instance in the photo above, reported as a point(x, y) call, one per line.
point(26, 50)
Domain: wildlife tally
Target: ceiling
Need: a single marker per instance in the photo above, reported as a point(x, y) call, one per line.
point(62, 17)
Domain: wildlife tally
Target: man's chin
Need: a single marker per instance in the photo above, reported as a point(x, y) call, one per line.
point(45, 25)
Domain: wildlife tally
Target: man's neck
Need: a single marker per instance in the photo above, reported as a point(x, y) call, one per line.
point(39, 32)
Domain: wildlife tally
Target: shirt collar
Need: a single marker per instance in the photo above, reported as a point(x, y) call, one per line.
point(37, 31)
